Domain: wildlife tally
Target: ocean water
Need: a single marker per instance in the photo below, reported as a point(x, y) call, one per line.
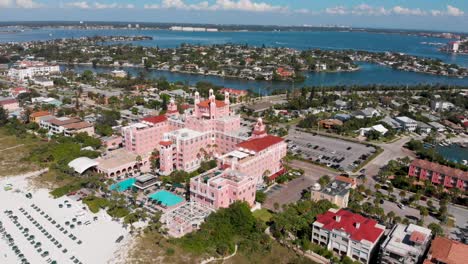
point(369, 73)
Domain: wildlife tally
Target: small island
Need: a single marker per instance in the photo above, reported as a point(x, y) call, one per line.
point(239, 61)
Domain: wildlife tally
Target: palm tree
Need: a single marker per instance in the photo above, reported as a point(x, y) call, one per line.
point(138, 160)
point(423, 212)
point(391, 215)
point(402, 194)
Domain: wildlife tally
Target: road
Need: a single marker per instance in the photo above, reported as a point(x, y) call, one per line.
point(391, 151)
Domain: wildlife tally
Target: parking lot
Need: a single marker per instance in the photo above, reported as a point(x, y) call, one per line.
point(335, 153)
point(291, 191)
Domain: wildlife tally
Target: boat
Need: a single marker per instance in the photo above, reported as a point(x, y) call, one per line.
point(465, 162)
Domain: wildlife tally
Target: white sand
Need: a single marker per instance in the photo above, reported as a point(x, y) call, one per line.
point(98, 238)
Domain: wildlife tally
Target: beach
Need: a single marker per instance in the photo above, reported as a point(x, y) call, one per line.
point(56, 224)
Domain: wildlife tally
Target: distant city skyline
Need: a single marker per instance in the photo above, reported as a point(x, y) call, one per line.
point(415, 14)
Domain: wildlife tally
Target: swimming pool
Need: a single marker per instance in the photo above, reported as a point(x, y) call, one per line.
point(123, 185)
point(166, 198)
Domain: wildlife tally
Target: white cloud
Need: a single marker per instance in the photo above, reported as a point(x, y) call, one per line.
point(5, 3)
point(337, 10)
point(97, 5)
point(365, 9)
point(239, 5)
point(81, 5)
point(407, 11)
point(151, 6)
point(453, 11)
point(27, 4)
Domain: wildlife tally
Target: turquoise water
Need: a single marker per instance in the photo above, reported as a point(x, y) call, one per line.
point(123, 185)
point(453, 152)
point(166, 198)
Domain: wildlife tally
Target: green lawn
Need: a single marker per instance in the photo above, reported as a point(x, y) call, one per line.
point(263, 215)
point(13, 152)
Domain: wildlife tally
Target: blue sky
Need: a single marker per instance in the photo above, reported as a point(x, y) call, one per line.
point(416, 14)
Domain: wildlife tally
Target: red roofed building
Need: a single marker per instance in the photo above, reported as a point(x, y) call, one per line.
point(14, 92)
point(9, 104)
point(444, 250)
point(154, 119)
point(346, 233)
point(284, 73)
point(236, 94)
point(439, 174)
point(260, 156)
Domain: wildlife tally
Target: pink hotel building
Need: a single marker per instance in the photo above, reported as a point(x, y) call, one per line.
point(211, 130)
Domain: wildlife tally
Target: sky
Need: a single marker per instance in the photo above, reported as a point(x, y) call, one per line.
point(442, 15)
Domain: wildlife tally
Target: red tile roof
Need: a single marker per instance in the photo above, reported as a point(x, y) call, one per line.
point(452, 172)
point(448, 251)
point(417, 237)
point(8, 101)
point(206, 103)
point(259, 144)
point(233, 91)
point(39, 114)
point(367, 229)
point(155, 119)
point(346, 179)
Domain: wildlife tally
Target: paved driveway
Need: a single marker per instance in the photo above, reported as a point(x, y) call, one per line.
point(291, 191)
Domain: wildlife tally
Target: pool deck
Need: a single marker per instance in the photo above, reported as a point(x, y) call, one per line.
point(178, 200)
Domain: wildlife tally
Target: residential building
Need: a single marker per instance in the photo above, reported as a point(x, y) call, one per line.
point(368, 112)
point(219, 189)
point(43, 82)
point(14, 92)
point(341, 105)
point(118, 74)
point(391, 122)
point(336, 192)
point(29, 69)
point(342, 117)
point(405, 244)
point(66, 126)
point(9, 104)
point(35, 116)
point(447, 251)
point(438, 127)
point(407, 123)
point(439, 174)
point(423, 128)
point(379, 128)
point(452, 126)
point(437, 105)
point(330, 123)
point(346, 233)
point(238, 95)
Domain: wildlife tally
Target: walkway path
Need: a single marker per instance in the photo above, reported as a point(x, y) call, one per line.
point(218, 259)
point(29, 174)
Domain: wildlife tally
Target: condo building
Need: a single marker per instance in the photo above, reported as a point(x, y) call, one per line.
point(405, 244)
point(346, 233)
point(438, 174)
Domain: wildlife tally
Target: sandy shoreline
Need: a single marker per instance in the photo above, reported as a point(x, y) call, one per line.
point(98, 237)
